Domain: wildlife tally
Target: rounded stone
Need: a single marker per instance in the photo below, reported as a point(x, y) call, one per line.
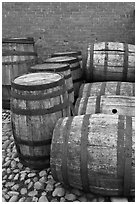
point(6, 143)
point(62, 199)
point(20, 166)
point(101, 199)
point(7, 163)
point(35, 179)
point(32, 193)
point(42, 173)
point(14, 198)
point(13, 164)
point(16, 177)
point(8, 170)
point(43, 198)
point(27, 181)
point(117, 199)
point(30, 175)
point(38, 185)
point(21, 199)
point(60, 192)
point(70, 197)
point(34, 199)
point(23, 191)
point(82, 199)
point(43, 179)
point(49, 187)
point(13, 193)
point(76, 192)
point(15, 187)
point(30, 185)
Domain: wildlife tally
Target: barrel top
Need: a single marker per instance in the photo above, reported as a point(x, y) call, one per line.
point(49, 66)
point(38, 78)
point(61, 59)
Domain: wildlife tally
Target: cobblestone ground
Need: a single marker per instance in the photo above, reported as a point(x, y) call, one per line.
point(21, 184)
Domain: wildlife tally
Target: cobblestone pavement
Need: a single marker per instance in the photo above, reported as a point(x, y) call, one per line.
point(22, 184)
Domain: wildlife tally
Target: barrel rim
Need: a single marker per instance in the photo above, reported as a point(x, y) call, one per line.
point(60, 67)
point(23, 40)
point(67, 60)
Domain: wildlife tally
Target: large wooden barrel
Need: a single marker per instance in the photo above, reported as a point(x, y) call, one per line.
point(60, 68)
point(95, 153)
point(38, 100)
point(18, 54)
point(107, 88)
point(74, 67)
point(111, 104)
point(110, 61)
point(76, 54)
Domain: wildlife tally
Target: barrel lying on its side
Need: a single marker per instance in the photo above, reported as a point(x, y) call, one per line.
point(38, 100)
point(107, 88)
point(111, 104)
point(110, 61)
point(95, 153)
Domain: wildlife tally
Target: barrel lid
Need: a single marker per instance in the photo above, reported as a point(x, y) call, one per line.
point(62, 59)
point(24, 40)
point(67, 53)
point(50, 67)
point(37, 81)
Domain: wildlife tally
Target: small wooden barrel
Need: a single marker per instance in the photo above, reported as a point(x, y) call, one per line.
point(38, 100)
point(76, 71)
point(60, 68)
point(76, 54)
point(18, 54)
point(110, 61)
point(95, 153)
point(111, 104)
point(107, 88)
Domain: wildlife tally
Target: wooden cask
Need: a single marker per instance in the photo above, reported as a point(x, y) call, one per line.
point(76, 71)
point(111, 104)
point(60, 68)
point(107, 88)
point(95, 153)
point(18, 54)
point(38, 100)
point(110, 61)
point(76, 54)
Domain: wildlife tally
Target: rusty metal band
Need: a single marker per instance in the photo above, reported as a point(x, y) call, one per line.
point(97, 107)
point(19, 62)
point(89, 89)
point(70, 90)
point(125, 65)
point(74, 68)
point(90, 68)
point(133, 89)
point(33, 165)
point(40, 96)
point(28, 40)
point(37, 87)
point(118, 88)
point(83, 110)
point(128, 156)
point(84, 153)
point(32, 143)
point(70, 54)
point(53, 153)
point(18, 53)
point(77, 80)
point(102, 89)
point(120, 146)
point(106, 60)
point(37, 112)
point(65, 156)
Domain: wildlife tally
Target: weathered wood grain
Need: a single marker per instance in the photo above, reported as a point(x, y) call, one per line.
point(32, 131)
point(104, 167)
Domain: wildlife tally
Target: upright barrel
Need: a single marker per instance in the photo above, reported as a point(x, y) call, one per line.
point(74, 67)
point(110, 61)
point(60, 68)
point(76, 54)
point(18, 54)
point(38, 100)
point(110, 104)
point(107, 88)
point(95, 153)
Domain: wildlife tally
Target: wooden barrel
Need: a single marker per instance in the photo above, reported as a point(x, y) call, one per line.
point(60, 68)
point(110, 61)
point(76, 71)
point(107, 88)
point(95, 153)
point(18, 54)
point(76, 54)
point(111, 104)
point(38, 100)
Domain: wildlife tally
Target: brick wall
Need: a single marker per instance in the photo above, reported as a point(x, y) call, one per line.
point(68, 25)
